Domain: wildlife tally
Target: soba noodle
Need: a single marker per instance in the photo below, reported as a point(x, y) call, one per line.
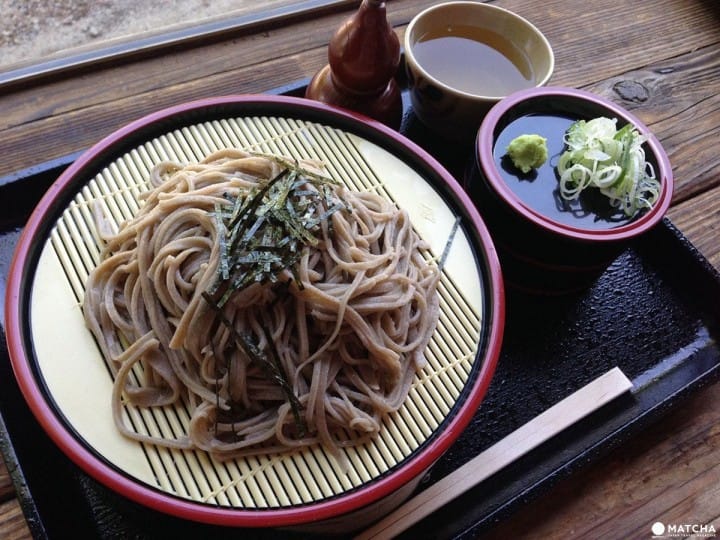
point(348, 324)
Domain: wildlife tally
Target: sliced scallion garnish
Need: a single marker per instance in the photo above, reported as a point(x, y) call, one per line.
point(599, 155)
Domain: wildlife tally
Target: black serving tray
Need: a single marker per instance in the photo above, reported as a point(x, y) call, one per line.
point(653, 313)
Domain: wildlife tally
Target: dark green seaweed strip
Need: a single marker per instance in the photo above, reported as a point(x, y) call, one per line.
point(272, 368)
point(260, 236)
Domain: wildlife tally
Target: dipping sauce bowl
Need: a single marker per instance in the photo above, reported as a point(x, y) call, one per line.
point(546, 246)
point(463, 57)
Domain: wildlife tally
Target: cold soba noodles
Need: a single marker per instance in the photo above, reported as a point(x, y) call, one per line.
point(279, 308)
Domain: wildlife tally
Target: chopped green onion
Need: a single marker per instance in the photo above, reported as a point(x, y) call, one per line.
point(599, 155)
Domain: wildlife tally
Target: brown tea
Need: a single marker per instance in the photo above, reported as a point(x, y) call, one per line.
point(474, 60)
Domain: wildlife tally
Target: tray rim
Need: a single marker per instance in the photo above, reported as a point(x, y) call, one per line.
point(504, 504)
point(67, 184)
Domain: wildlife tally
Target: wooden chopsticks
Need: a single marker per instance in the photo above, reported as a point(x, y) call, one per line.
point(560, 416)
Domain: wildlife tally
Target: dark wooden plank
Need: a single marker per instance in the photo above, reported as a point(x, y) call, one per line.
point(668, 473)
point(589, 47)
point(678, 99)
point(66, 116)
point(200, 64)
point(12, 522)
point(699, 221)
point(63, 133)
point(7, 491)
point(76, 112)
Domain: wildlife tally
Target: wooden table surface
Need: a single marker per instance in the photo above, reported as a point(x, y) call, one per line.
point(658, 58)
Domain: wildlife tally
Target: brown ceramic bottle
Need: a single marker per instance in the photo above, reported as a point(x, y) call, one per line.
point(363, 56)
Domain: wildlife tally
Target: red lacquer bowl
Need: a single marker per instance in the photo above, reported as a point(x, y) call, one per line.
point(546, 246)
point(300, 489)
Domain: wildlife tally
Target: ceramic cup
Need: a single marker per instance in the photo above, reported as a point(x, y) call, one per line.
point(453, 112)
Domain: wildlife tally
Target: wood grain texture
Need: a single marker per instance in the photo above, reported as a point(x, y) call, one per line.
point(594, 41)
point(668, 473)
point(86, 108)
point(678, 100)
point(658, 58)
point(543, 427)
point(12, 522)
point(699, 220)
point(6, 486)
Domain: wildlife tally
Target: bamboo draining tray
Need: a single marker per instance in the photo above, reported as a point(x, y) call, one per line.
point(77, 382)
point(667, 345)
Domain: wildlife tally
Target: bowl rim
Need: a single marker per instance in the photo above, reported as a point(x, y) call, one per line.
point(411, 59)
point(20, 351)
point(485, 142)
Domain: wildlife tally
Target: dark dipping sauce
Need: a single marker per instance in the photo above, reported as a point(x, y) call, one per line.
point(540, 188)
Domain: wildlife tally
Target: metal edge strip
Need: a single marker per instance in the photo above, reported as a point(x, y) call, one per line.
point(186, 36)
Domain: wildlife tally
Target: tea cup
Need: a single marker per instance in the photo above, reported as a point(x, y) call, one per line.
point(457, 55)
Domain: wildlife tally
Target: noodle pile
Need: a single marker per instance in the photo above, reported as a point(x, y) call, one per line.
point(344, 330)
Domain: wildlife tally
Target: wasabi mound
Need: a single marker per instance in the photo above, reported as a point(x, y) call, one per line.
point(528, 152)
